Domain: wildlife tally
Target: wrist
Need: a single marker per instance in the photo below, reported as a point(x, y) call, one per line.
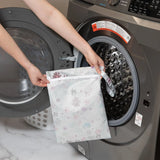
point(28, 65)
point(87, 50)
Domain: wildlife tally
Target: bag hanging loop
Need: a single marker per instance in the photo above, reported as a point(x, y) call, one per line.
point(109, 85)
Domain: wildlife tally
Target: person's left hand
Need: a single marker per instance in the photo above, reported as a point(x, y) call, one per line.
point(94, 60)
point(36, 77)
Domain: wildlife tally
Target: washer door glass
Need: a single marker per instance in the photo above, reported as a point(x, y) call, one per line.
point(15, 86)
point(121, 69)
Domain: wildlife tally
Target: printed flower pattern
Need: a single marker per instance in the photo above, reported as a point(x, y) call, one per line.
point(77, 103)
point(58, 75)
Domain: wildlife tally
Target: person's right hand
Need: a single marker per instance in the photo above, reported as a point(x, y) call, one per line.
point(94, 60)
point(36, 77)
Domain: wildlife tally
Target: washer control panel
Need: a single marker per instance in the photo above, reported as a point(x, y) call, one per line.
point(147, 9)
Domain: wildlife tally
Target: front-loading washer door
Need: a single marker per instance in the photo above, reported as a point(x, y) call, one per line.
point(43, 47)
point(127, 68)
point(108, 40)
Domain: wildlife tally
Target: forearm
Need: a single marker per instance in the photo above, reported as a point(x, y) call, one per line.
point(9, 45)
point(62, 26)
point(51, 17)
point(55, 20)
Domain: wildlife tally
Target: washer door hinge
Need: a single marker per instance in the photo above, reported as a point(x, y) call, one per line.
point(73, 58)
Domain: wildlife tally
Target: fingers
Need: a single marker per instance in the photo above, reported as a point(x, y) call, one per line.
point(97, 67)
point(101, 64)
point(95, 61)
point(41, 84)
point(36, 77)
point(44, 79)
point(41, 81)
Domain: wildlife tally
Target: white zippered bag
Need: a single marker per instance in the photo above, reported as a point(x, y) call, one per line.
point(77, 104)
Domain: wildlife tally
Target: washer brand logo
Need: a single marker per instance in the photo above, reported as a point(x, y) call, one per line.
point(112, 27)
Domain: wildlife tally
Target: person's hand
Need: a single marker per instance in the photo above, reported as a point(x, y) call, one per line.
point(94, 60)
point(36, 77)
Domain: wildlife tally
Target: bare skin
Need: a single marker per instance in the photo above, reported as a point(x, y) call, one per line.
point(55, 20)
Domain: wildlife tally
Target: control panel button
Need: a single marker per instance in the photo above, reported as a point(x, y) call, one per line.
point(149, 8)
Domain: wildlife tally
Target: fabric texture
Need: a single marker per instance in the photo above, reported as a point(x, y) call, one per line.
point(77, 105)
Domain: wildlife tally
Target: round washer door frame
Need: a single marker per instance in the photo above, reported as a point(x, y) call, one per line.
point(128, 115)
point(105, 35)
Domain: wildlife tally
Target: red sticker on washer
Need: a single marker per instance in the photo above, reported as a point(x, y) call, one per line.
point(112, 27)
point(94, 27)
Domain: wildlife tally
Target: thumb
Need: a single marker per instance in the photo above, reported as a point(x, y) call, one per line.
point(101, 63)
point(44, 79)
point(97, 69)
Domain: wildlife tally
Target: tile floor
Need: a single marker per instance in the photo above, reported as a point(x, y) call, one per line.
point(19, 141)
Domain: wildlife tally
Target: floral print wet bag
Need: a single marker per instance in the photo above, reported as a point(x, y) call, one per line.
point(77, 104)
